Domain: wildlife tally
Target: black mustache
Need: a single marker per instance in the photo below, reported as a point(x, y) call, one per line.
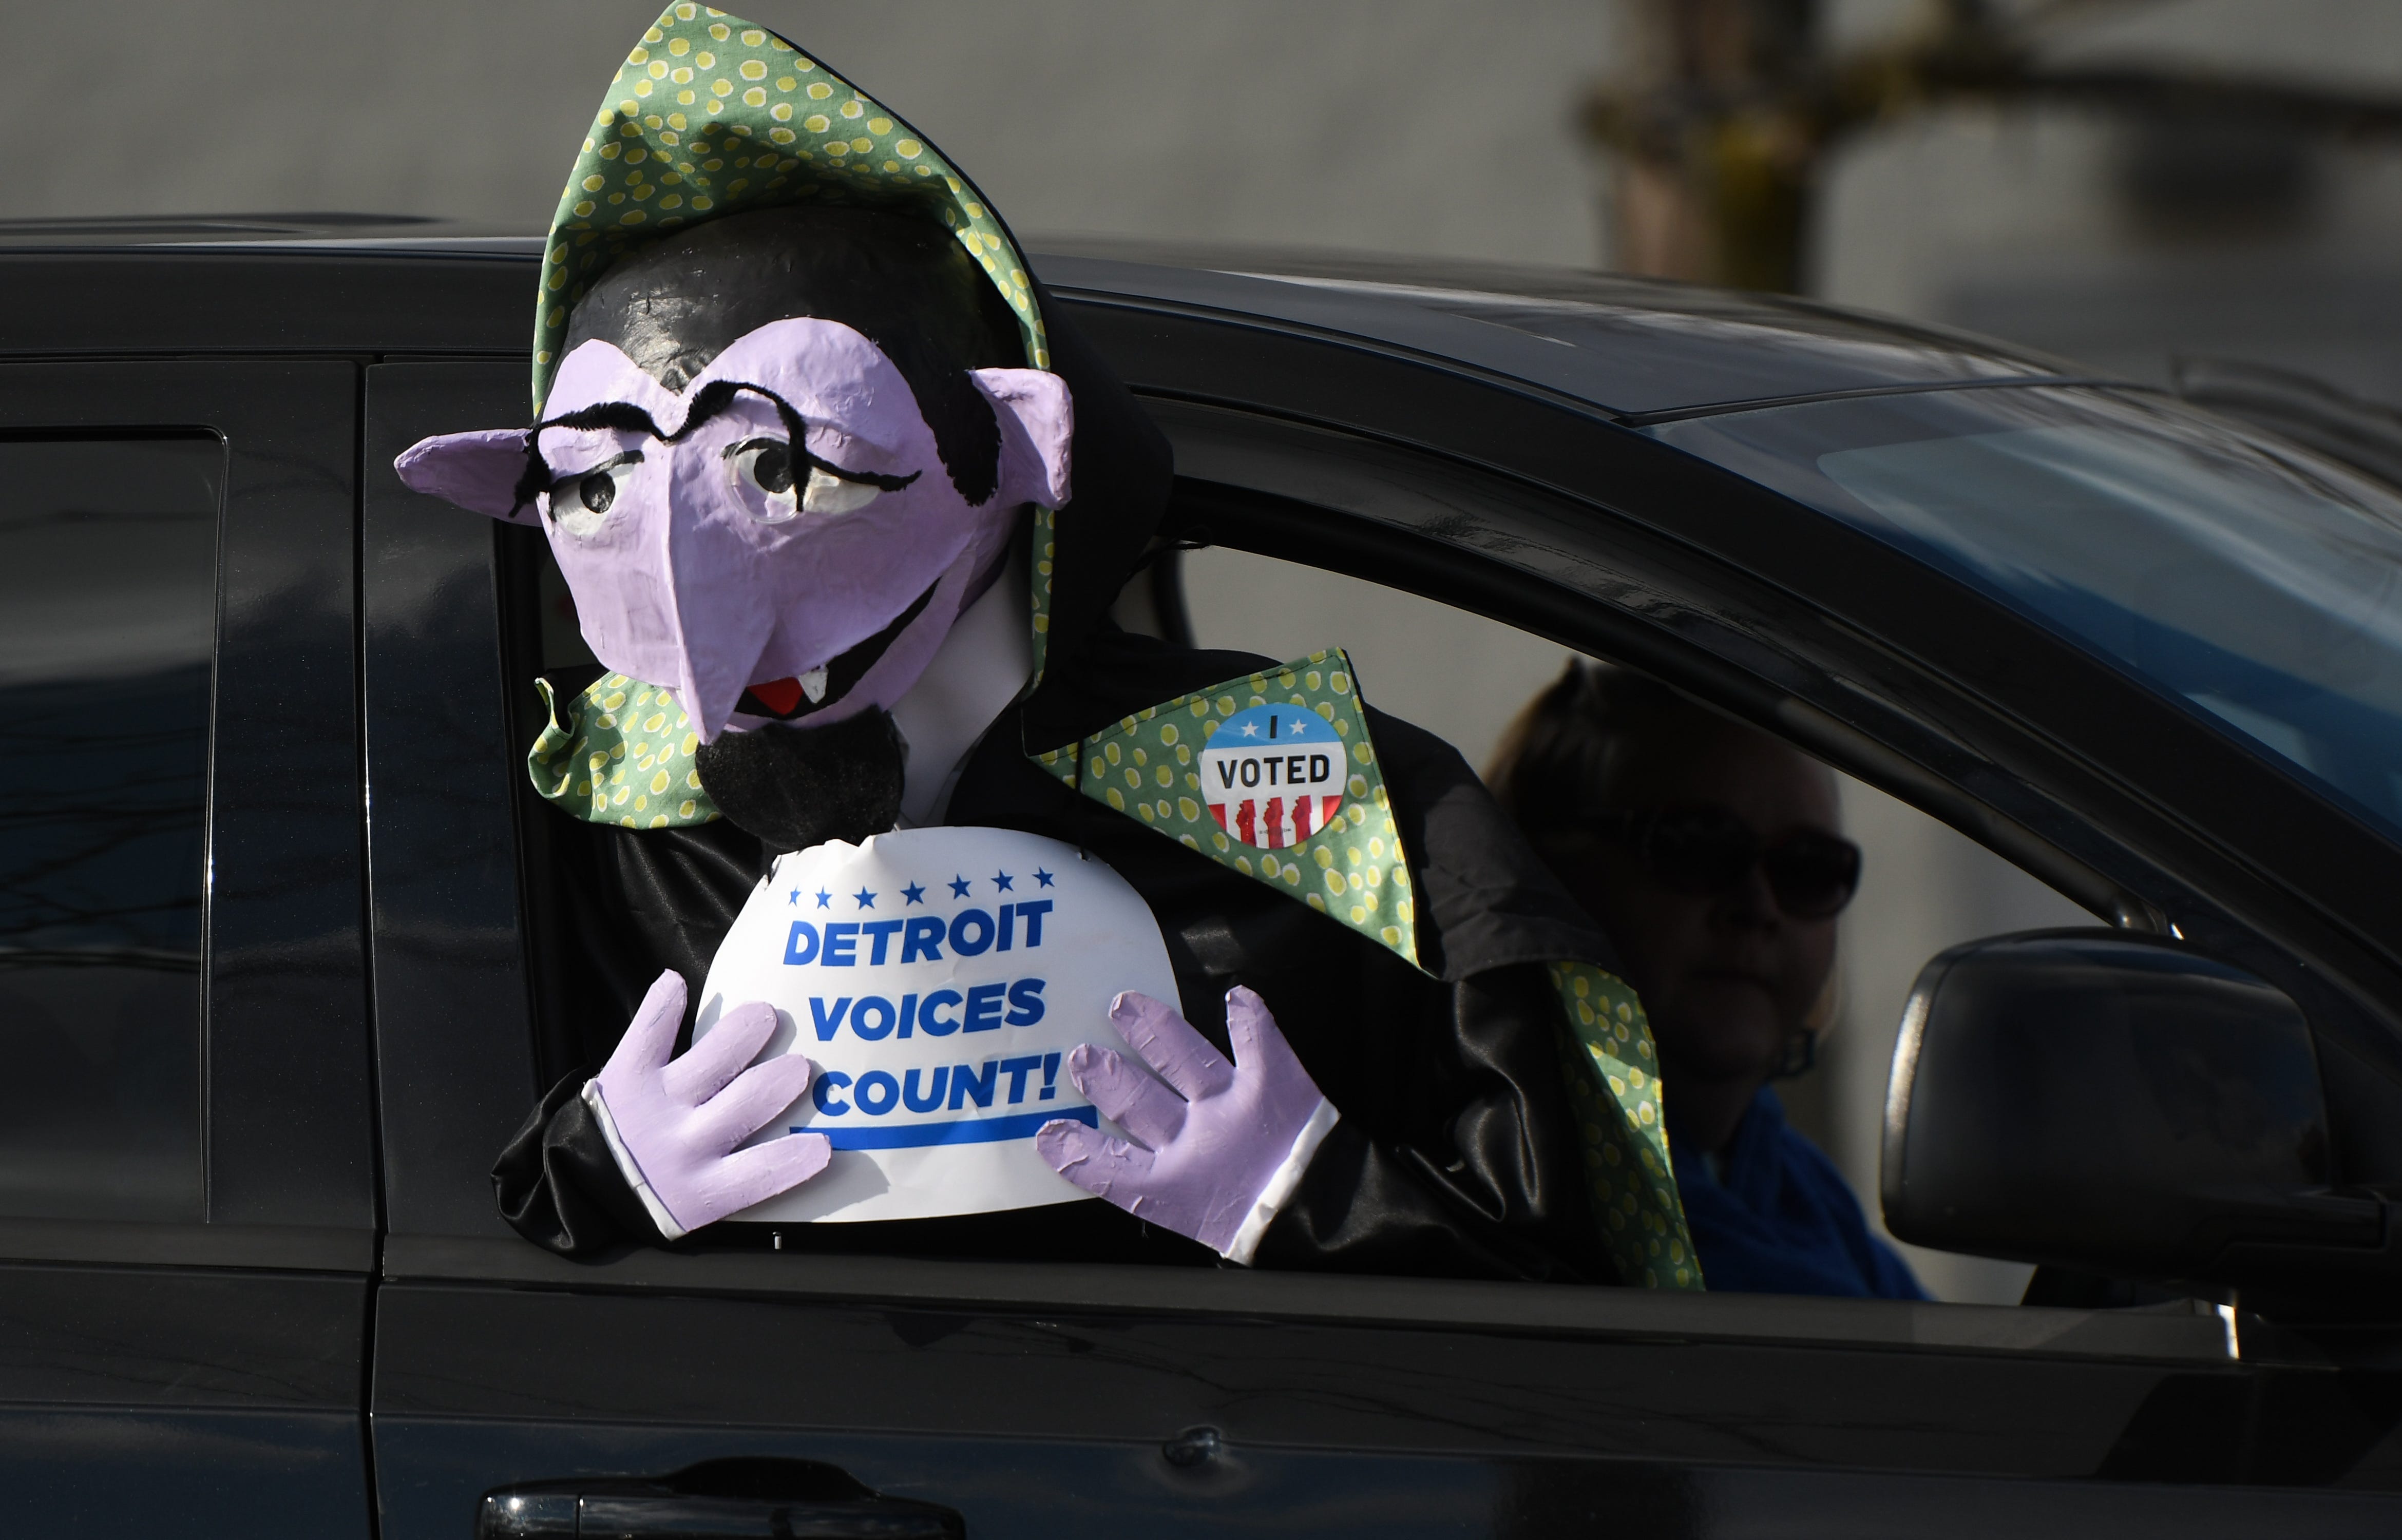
point(794, 788)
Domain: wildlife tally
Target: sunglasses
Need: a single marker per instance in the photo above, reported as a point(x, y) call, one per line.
point(1706, 851)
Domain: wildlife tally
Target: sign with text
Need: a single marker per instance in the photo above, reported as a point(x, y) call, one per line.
point(937, 978)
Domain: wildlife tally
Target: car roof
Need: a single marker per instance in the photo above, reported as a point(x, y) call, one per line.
point(1637, 349)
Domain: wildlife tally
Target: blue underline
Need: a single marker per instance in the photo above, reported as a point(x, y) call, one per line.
point(957, 1131)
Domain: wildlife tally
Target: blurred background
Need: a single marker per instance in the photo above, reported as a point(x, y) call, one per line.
point(2128, 183)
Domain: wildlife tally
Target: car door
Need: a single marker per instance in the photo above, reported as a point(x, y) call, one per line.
point(186, 1161)
point(743, 1382)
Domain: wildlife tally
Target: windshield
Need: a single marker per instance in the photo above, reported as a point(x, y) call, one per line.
point(2247, 578)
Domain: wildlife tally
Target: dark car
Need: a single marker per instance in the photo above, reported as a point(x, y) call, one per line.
point(276, 951)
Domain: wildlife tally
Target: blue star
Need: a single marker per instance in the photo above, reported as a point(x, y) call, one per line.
point(959, 886)
point(866, 899)
point(914, 893)
point(1001, 881)
point(1041, 876)
point(825, 899)
point(794, 900)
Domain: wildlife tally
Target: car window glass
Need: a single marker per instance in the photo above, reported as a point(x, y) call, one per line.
point(2249, 579)
point(1926, 888)
point(107, 610)
point(1923, 887)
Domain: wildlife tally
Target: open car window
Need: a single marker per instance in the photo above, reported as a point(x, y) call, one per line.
point(1925, 886)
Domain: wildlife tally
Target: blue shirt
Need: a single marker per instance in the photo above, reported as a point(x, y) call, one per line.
point(1781, 1220)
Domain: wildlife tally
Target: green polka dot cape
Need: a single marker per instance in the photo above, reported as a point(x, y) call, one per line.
point(712, 115)
point(1148, 767)
point(620, 752)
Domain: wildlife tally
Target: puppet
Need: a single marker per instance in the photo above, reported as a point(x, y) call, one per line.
point(843, 501)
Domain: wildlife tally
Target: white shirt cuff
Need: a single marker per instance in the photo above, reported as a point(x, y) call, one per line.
point(628, 1169)
point(1246, 1243)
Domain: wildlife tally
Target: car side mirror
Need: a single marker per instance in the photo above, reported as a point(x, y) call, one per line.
point(2093, 1100)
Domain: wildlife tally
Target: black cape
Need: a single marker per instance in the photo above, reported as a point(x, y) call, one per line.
point(1456, 1156)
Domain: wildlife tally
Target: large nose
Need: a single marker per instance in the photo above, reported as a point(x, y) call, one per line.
point(724, 608)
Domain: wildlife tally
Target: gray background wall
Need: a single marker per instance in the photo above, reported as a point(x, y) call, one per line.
point(1385, 125)
point(1434, 127)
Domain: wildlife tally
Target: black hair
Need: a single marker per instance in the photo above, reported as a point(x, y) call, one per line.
point(901, 281)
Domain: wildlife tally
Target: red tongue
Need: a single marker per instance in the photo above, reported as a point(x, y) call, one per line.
point(778, 696)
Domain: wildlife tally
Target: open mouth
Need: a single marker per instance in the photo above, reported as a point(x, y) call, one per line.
point(789, 699)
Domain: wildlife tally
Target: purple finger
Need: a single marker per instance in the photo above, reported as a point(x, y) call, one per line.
point(1183, 1057)
point(750, 1100)
point(717, 1058)
point(651, 1038)
point(755, 1174)
point(1252, 1033)
point(1095, 1162)
point(1125, 1095)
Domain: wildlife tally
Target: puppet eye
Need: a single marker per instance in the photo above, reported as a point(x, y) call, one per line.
point(581, 503)
point(766, 466)
point(831, 494)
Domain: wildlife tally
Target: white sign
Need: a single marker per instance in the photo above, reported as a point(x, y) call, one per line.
point(937, 978)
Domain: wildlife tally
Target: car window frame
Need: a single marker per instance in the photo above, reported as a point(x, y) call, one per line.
point(459, 1238)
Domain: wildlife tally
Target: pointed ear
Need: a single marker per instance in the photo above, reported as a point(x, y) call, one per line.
point(478, 471)
point(1038, 421)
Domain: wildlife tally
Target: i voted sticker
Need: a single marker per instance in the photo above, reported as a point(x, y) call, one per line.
point(938, 979)
point(1273, 775)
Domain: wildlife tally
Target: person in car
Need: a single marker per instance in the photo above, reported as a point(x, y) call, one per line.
point(843, 501)
point(1711, 854)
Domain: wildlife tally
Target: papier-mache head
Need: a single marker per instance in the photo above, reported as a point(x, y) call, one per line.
point(784, 418)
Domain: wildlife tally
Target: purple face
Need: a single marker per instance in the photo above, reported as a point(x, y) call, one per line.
point(785, 547)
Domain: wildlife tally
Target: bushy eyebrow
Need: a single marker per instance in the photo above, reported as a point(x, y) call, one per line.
point(714, 397)
point(719, 393)
point(623, 416)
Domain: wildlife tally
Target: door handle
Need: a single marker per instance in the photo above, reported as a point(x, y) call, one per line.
point(727, 1500)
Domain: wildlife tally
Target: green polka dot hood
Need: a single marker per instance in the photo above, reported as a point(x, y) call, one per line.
point(712, 115)
point(784, 522)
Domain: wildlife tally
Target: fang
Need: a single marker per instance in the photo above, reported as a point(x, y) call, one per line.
point(813, 684)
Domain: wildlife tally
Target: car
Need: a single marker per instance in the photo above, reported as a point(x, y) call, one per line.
point(276, 952)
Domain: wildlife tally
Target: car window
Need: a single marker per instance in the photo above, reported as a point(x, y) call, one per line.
point(1923, 887)
point(107, 612)
point(2246, 578)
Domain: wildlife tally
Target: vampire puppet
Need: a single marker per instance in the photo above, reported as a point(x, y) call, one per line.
point(843, 502)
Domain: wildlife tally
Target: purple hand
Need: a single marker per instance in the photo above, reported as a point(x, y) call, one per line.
point(673, 1127)
point(1214, 1157)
